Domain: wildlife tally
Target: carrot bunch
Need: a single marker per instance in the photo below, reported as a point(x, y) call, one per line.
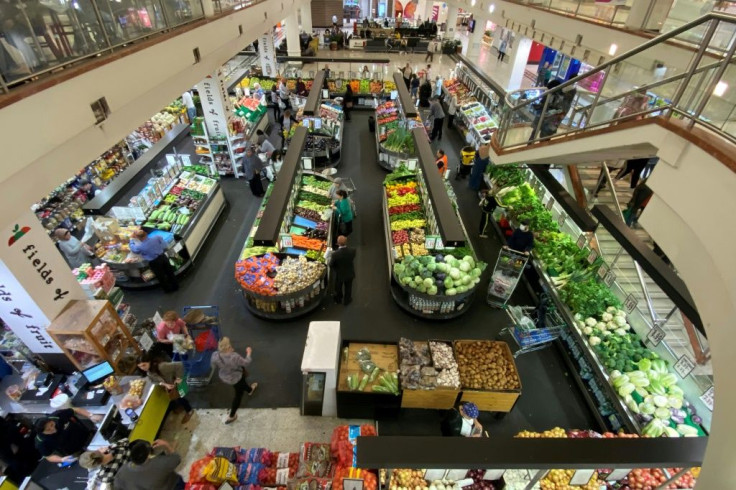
point(305, 243)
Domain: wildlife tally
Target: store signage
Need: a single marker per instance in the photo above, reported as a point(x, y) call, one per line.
point(286, 241)
point(684, 366)
point(610, 277)
point(581, 477)
point(429, 242)
point(456, 475)
point(493, 475)
point(630, 303)
point(347, 483)
point(465, 482)
point(146, 341)
point(581, 241)
point(213, 107)
point(23, 316)
point(656, 335)
point(550, 203)
point(592, 256)
point(708, 398)
point(561, 220)
point(411, 164)
point(602, 271)
point(38, 266)
point(432, 475)
point(268, 54)
point(618, 474)
point(438, 245)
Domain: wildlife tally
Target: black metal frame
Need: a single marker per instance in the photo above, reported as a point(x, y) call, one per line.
point(660, 272)
point(447, 220)
point(267, 234)
point(314, 99)
point(318, 59)
point(407, 103)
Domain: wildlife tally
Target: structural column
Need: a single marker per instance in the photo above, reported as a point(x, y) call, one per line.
point(305, 11)
point(474, 39)
point(208, 8)
point(292, 34)
point(518, 56)
point(452, 12)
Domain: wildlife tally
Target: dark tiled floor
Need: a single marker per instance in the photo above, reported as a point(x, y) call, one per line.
point(548, 398)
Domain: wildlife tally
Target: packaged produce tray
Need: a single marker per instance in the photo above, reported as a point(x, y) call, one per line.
point(490, 399)
point(303, 222)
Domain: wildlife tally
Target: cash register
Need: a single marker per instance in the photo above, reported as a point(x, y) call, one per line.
point(90, 391)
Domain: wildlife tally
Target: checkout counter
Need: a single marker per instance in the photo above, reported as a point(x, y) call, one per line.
point(115, 424)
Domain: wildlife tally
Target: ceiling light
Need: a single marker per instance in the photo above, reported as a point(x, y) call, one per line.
point(612, 50)
point(491, 8)
point(720, 89)
point(472, 3)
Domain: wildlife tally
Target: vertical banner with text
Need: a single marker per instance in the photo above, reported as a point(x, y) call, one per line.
point(268, 54)
point(23, 316)
point(35, 262)
point(213, 107)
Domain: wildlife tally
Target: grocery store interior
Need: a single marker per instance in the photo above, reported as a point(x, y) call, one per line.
point(514, 300)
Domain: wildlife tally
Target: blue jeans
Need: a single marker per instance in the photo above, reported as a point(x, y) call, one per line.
point(192, 113)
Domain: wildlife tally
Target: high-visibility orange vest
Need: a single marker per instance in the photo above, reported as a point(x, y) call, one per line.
point(442, 164)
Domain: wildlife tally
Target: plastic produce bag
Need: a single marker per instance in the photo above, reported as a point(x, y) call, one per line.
point(370, 481)
point(343, 442)
point(220, 470)
point(367, 366)
point(311, 483)
point(363, 355)
point(314, 460)
point(196, 471)
point(248, 473)
point(229, 453)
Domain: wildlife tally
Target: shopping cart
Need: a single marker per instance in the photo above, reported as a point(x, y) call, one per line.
point(534, 328)
point(203, 323)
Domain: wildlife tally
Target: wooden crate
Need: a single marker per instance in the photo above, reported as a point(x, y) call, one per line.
point(439, 398)
point(385, 356)
point(493, 400)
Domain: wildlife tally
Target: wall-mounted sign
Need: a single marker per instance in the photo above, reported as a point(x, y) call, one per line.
point(267, 54)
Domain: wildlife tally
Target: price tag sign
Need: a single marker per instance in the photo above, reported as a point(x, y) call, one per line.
point(351, 484)
point(618, 474)
point(492, 475)
point(411, 164)
point(286, 241)
point(708, 397)
point(465, 482)
point(146, 341)
point(592, 256)
point(561, 220)
point(456, 475)
point(684, 366)
point(429, 242)
point(630, 303)
point(581, 241)
point(550, 203)
point(438, 245)
point(610, 277)
point(655, 335)
point(581, 477)
point(602, 271)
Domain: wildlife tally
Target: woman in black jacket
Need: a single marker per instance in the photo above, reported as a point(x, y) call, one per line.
point(425, 92)
point(347, 102)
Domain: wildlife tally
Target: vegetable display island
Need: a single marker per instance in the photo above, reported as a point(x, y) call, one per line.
point(324, 142)
point(394, 140)
point(428, 279)
point(288, 278)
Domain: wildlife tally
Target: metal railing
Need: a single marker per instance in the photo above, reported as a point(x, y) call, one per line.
point(702, 94)
point(38, 37)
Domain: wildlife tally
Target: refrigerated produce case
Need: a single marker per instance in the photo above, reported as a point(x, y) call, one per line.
point(394, 140)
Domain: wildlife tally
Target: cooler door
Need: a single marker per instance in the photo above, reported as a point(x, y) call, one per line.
point(313, 393)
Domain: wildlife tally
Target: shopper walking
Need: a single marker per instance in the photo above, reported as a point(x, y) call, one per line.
point(502, 50)
point(633, 167)
point(441, 162)
point(76, 252)
point(275, 101)
point(286, 121)
point(639, 200)
point(451, 110)
point(284, 94)
point(153, 250)
point(543, 75)
point(414, 85)
point(171, 325)
point(522, 239)
point(188, 100)
point(488, 205)
point(344, 213)
point(301, 87)
point(480, 163)
point(406, 73)
point(430, 51)
point(347, 102)
point(231, 369)
point(437, 116)
point(341, 264)
point(167, 375)
point(425, 93)
point(252, 166)
point(144, 472)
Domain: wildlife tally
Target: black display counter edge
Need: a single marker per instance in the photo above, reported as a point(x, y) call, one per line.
point(106, 199)
point(579, 215)
point(519, 453)
point(406, 103)
point(661, 273)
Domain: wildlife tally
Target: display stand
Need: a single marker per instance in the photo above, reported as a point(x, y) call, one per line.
point(284, 222)
point(506, 275)
point(90, 332)
point(319, 369)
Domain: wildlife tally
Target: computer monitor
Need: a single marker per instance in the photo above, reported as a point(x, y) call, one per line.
point(98, 372)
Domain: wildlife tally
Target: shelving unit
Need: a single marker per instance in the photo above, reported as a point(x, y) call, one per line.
point(90, 332)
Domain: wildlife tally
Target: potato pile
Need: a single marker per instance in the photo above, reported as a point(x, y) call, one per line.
point(483, 366)
point(409, 479)
point(557, 432)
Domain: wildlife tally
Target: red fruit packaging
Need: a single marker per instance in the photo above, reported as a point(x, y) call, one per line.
point(314, 460)
point(344, 440)
point(370, 481)
point(196, 471)
point(310, 483)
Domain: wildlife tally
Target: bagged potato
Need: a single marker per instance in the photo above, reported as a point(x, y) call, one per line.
point(220, 470)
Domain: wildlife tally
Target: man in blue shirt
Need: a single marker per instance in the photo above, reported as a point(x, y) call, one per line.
point(153, 249)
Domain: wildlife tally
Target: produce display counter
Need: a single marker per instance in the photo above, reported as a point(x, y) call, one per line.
point(429, 374)
point(288, 278)
point(488, 374)
point(472, 118)
point(368, 386)
point(628, 381)
point(428, 279)
point(394, 140)
point(324, 140)
point(183, 206)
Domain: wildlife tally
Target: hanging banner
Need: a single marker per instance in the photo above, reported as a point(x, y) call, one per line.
point(268, 55)
point(38, 266)
point(21, 314)
point(435, 13)
point(215, 116)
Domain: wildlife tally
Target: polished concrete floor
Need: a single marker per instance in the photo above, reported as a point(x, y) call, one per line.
point(549, 399)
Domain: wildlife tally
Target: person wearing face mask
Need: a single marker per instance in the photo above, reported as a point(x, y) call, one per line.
point(522, 239)
point(463, 422)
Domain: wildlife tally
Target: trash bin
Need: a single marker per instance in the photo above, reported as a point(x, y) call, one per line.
point(371, 124)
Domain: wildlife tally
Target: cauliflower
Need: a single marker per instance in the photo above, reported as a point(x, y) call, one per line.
point(601, 326)
point(607, 333)
point(590, 322)
point(580, 324)
point(620, 331)
point(620, 313)
point(619, 320)
point(612, 310)
point(611, 326)
point(588, 331)
point(606, 317)
point(594, 340)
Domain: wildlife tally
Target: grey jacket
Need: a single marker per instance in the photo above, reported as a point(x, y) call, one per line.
point(158, 472)
point(170, 371)
point(252, 165)
point(230, 365)
point(435, 110)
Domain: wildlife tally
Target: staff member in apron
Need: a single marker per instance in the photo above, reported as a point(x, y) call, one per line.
point(153, 250)
point(441, 162)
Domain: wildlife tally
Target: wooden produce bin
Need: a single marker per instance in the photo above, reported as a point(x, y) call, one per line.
point(367, 403)
point(90, 332)
point(492, 400)
point(439, 398)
